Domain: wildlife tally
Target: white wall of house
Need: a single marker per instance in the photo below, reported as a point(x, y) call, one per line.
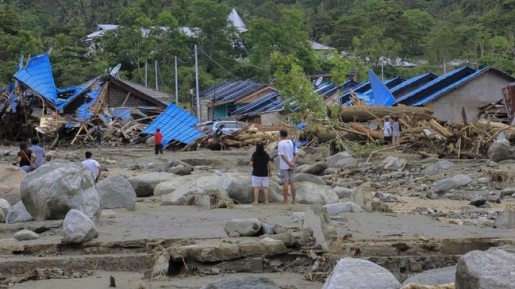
point(482, 90)
point(272, 118)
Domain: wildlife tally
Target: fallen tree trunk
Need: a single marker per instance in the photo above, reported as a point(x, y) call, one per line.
point(370, 133)
point(363, 113)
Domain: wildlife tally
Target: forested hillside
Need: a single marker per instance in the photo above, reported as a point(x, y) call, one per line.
point(427, 32)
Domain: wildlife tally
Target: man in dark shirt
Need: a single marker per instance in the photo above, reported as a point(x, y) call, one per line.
point(261, 171)
point(26, 158)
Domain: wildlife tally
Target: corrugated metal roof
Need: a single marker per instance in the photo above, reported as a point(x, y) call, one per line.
point(78, 91)
point(435, 87)
point(235, 19)
point(258, 104)
point(37, 75)
point(83, 112)
point(404, 87)
point(364, 90)
point(226, 92)
point(176, 124)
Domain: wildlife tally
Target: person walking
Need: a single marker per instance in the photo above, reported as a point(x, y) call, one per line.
point(261, 171)
point(387, 130)
point(98, 137)
point(288, 154)
point(92, 165)
point(38, 151)
point(25, 159)
point(396, 131)
point(158, 142)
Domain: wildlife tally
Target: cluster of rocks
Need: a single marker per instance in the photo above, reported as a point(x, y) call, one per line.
point(66, 191)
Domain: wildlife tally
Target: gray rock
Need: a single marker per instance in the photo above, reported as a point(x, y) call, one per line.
point(144, 185)
point(301, 177)
point(25, 235)
point(245, 283)
point(317, 221)
point(183, 195)
point(347, 163)
point(49, 192)
point(478, 202)
point(364, 197)
point(4, 206)
point(343, 193)
point(391, 176)
point(505, 220)
point(334, 159)
point(507, 192)
point(501, 150)
point(2, 216)
point(172, 164)
point(440, 165)
point(116, 192)
point(486, 270)
point(448, 184)
point(18, 214)
point(433, 277)
point(338, 208)
point(329, 171)
point(394, 163)
point(315, 169)
point(244, 227)
point(311, 193)
point(78, 228)
point(360, 274)
point(182, 170)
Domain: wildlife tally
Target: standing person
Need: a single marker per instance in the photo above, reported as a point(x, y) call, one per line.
point(287, 162)
point(26, 158)
point(387, 130)
point(38, 151)
point(261, 171)
point(396, 131)
point(92, 165)
point(158, 141)
point(98, 137)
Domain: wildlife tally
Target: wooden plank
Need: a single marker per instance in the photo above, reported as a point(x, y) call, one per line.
point(77, 135)
point(126, 98)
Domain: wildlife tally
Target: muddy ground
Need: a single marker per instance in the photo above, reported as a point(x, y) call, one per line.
point(151, 221)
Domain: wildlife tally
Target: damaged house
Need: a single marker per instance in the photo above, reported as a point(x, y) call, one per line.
point(120, 108)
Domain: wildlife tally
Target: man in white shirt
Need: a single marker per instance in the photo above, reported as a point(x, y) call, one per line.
point(92, 165)
point(288, 154)
point(387, 130)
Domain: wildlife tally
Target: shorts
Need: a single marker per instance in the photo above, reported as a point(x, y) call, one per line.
point(388, 139)
point(287, 175)
point(260, 182)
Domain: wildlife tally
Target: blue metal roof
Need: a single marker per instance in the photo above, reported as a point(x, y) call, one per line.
point(437, 87)
point(231, 91)
point(416, 81)
point(37, 75)
point(76, 91)
point(83, 112)
point(364, 90)
point(381, 95)
point(176, 124)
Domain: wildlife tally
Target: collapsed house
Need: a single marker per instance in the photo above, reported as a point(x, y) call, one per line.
point(34, 106)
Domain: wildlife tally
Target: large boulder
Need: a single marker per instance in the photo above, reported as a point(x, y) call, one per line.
point(183, 195)
point(53, 189)
point(10, 179)
point(25, 235)
point(486, 270)
point(344, 193)
point(78, 228)
point(448, 184)
point(311, 193)
point(116, 192)
point(501, 150)
point(315, 169)
point(144, 185)
point(245, 283)
point(342, 159)
point(302, 177)
point(178, 167)
point(244, 227)
point(360, 274)
point(440, 165)
point(364, 197)
point(338, 208)
point(440, 276)
point(18, 214)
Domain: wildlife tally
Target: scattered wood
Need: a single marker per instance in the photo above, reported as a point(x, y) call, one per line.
point(363, 113)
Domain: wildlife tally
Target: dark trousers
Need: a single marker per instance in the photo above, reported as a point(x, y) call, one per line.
point(159, 149)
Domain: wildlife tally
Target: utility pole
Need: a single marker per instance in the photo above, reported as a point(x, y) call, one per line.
point(155, 67)
point(176, 83)
point(146, 72)
point(197, 83)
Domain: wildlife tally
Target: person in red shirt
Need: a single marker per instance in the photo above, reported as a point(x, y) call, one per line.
point(158, 141)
